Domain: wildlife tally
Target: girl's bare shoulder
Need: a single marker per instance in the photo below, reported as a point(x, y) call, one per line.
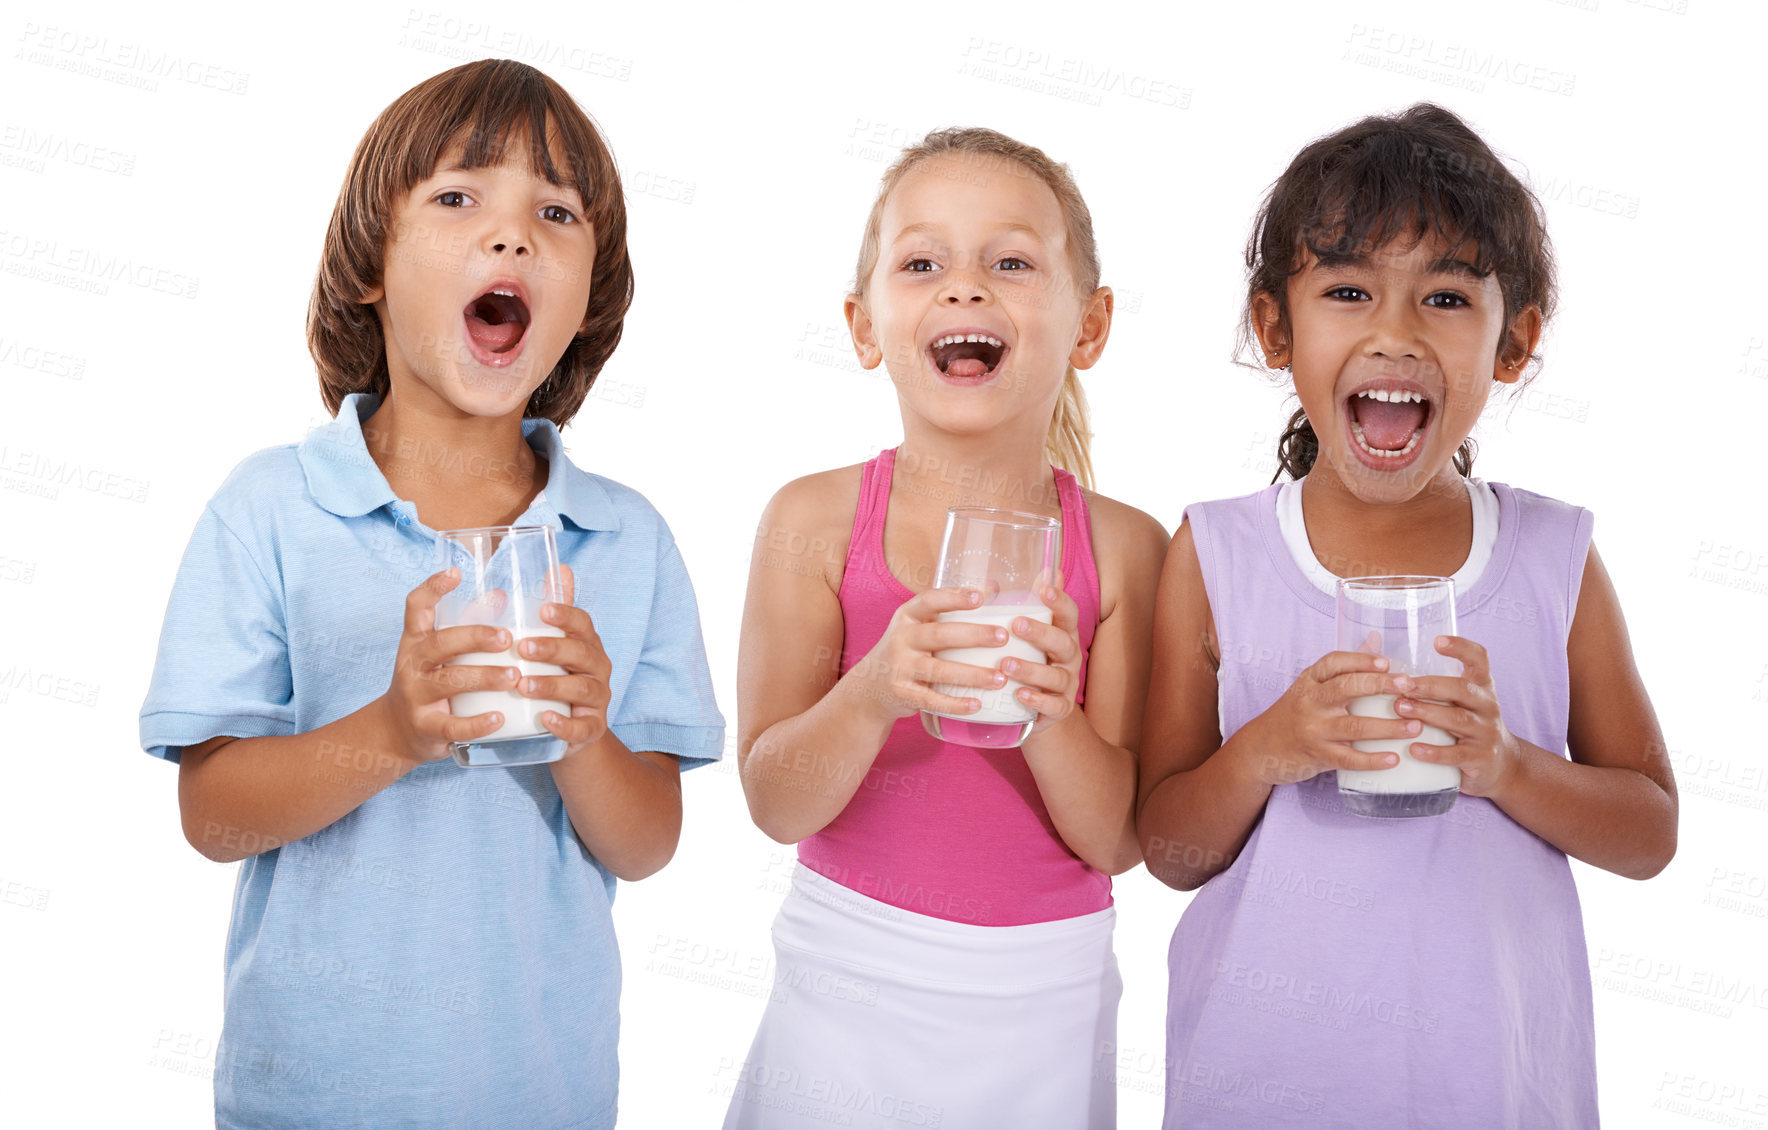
point(1129, 546)
point(808, 522)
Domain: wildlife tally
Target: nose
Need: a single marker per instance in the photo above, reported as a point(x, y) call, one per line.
point(1394, 331)
point(507, 232)
point(964, 286)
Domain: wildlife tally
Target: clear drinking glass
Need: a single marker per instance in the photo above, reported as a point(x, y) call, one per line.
point(1399, 617)
point(1008, 556)
point(506, 574)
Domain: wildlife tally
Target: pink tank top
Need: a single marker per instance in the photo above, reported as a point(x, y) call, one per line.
point(941, 829)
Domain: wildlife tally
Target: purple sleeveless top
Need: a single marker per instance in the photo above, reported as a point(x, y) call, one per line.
point(1353, 972)
point(940, 829)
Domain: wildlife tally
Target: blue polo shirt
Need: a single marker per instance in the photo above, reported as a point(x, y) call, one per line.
point(443, 956)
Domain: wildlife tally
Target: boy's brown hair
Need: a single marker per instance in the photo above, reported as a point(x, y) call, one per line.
point(481, 105)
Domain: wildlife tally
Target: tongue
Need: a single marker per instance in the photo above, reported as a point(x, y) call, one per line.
point(494, 339)
point(1387, 426)
point(966, 368)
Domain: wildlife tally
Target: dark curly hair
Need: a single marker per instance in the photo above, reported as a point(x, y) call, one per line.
point(484, 105)
point(1413, 174)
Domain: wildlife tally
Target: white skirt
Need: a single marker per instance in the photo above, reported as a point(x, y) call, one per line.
point(881, 1017)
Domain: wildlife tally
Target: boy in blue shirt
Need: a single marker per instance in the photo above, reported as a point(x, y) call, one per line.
point(414, 943)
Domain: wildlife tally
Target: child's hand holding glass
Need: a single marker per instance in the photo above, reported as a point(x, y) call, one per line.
point(1466, 707)
point(1310, 729)
point(904, 672)
point(425, 676)
point(1049, 687)
point(584, 685)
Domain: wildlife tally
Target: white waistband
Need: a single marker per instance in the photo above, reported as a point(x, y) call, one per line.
point(842, 926)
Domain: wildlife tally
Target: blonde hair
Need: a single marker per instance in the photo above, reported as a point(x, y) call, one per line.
point(1068, 441)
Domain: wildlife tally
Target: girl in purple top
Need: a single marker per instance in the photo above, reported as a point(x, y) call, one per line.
point(1337, 970)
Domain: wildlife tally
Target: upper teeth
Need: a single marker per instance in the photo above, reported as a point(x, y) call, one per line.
point(505, 293)
point(1392, 396)
point(953, 339)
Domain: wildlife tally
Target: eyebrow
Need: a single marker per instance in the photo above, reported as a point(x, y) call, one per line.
point(1447, 265)
point(926, 227)
point(457, 167)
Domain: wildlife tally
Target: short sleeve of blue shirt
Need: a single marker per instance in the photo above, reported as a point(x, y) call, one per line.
point(443, 955)
point(671, 671)
point(223, 662)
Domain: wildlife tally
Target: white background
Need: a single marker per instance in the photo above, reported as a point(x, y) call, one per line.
point(751, 143)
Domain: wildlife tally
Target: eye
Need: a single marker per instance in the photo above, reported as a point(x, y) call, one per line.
point(1012, 263)
point(453, 198)
point(1446, 300)
point(558, 214)
point(920, 266)
point(1348, 293)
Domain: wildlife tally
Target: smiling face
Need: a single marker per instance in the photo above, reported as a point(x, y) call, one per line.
point(1393, 356)
point(973, 305)
point(486, 279)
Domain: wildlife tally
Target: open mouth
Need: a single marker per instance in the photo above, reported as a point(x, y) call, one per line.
point(497, 321)
point(971, 357)
point(1386, 424)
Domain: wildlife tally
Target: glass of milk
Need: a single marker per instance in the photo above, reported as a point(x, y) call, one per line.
point(506, 574)
point(1399, 617)
point(1007, 555)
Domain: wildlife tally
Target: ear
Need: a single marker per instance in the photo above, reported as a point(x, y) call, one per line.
point(1518, 345)
point(1267, 326)
point(859, 326)
point(372, 295)
point(1095, 327)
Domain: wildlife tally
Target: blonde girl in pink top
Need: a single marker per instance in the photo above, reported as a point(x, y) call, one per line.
point(944, 955)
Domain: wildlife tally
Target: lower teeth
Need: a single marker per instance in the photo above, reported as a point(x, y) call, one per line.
point(1357, 430)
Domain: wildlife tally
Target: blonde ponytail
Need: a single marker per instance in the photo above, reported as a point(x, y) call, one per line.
point(1069, 444)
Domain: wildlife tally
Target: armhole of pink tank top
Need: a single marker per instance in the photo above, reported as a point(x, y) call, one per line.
point(1077, 553)
point(1077, 550)
point(865, 545)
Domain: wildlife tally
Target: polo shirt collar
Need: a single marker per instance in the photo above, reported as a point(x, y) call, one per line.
point(344, 479)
